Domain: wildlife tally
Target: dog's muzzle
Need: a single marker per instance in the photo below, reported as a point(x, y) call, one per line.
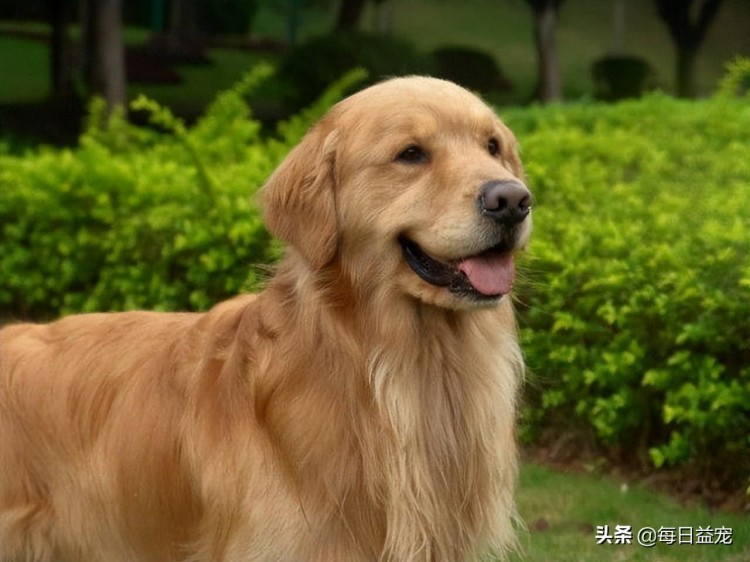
point(490, 274)
point(485, 276)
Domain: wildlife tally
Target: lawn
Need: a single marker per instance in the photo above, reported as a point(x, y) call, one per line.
point(24, 74)
point(562, 511)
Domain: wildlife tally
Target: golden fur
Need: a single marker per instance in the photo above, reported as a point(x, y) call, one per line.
point(350, 412)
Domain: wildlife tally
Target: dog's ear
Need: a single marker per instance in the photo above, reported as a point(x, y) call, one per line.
point(299, 199)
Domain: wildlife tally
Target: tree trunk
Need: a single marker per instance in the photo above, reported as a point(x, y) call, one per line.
point(182, 33)
point(349, 15)
point(687, 35)
point(292, 22)
point(61, 60)
point(86, 55)
point(384, 16)
point(549, 87)
point(685, 70)
point(106, 75)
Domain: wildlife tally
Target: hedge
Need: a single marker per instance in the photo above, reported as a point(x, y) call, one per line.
point(158, 217)
point(635, 298)
point(635, 307)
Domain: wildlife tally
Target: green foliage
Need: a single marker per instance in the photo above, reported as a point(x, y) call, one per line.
point(159, 218)
point(635, 307)
point(636, 311)
point(307, 69)
point(737, 79)
point(617, 78)
point(472, 68)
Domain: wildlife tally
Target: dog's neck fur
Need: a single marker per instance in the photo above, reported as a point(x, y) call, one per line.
point(440, 384)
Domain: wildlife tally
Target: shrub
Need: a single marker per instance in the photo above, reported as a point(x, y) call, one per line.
point(635, 305)
point(472, 68)
point(636, 312)
point(618, 78)
point(307, 69)
point(135, 218)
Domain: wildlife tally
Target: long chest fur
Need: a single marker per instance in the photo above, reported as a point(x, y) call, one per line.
point(415, 445)
point(447, 395)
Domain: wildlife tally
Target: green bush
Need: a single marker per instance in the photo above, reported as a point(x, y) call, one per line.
point(636, 307)
point(159, 218)
point(309, 68)
point(618, 78)
point(471, 68)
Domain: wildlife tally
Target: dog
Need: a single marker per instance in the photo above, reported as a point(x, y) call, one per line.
point(361, 408)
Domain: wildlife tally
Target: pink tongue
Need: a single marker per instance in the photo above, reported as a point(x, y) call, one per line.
point(490, 275)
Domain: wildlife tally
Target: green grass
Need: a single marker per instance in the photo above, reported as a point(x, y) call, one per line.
point(562, 511)
point(24, 72)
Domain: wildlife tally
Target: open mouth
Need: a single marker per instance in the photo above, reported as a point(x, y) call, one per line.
point(487, 275)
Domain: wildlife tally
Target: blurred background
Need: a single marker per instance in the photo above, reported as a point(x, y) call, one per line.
point(55, 53)
point(134, 134)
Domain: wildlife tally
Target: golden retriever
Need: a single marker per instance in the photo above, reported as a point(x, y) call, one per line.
point(359, 409)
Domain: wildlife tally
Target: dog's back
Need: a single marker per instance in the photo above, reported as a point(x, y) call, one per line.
point(93, 446)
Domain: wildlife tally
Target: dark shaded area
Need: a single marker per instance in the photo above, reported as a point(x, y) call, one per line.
point(59, 120)
point(471, 68)
point(307, 69)
point(48, 122)
point(618, 78)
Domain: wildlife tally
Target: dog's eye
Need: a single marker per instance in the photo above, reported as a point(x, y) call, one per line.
point(493, 146)
point(412, 155)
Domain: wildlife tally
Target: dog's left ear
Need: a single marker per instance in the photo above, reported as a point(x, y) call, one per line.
point(299, 199)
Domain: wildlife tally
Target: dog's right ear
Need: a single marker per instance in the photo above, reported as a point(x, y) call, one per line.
point(299, 199)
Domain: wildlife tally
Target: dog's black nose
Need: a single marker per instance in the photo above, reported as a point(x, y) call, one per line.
point(506, 202)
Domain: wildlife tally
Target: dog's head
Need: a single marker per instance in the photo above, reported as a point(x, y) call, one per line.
point(413, 184)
